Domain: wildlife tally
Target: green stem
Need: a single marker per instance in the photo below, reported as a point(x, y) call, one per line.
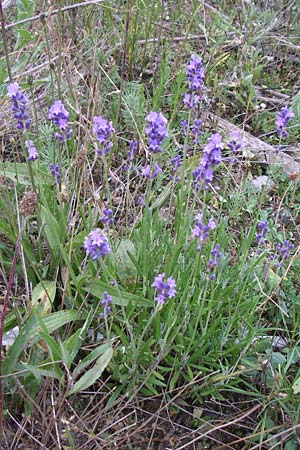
point(4, 39)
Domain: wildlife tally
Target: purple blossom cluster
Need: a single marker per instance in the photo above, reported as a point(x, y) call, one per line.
point(105, 302)
point(59, 115)
point(195, 75)
point(165, 289)
point(19, 101)
point(175, 164)
point(133, 147)
point(31, 151)
point(215, 255)
point(235, 143)
point(262, 229)
point(96, 244)
point(155, 131)
point(211, 157)
point(107, 217)
point(103, 131)
point(55, 172)
point(283, 251)
point(151, 172)
point(201, 231)
point(281, 121)
point(196, 130)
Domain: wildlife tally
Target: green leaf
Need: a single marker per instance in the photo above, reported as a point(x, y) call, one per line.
point(52, 346)
point(93, 374)
point(43, 295)
point(94, 354)
point(125, 269)
point(38, 373)
point(31, 333)
point(97, 288)
point(51, 228)
point(291, 445)
point(74, 342)
point(23, 37)
point(273, 279)
point(18, 173)
point(296, 386)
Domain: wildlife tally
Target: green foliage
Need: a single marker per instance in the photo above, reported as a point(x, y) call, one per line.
point(232, 330)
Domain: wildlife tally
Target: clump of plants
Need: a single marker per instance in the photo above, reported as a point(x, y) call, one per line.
point(141, 268)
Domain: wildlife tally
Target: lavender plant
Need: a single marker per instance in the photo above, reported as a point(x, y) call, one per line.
point(110, 282)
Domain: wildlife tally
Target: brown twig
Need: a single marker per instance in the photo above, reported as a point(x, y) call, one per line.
point(3, 314)
point(52, 13)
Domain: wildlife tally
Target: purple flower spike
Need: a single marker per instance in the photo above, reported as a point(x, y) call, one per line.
point(55, 172)
point(165, 289)
point(96, 244)
point(281, 121)
point(105, 304)
point(106, 218)
point(284, 249)
point(59, 115)
point(235, 142)
point(211, 157)
point(201, 231)
point(19, 101)
point(133, 147)
point(151, 172)
point(191, 100)
point(103, 130)
point(32, 151)
point(175, 164)
point(155, 131)
point(215, 254)
point(262, 229)
point(196, 132)
point(195, 73)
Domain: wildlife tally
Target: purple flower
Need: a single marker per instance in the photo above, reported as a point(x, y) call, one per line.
point(55, 172)
point(211, 157)
point(196, 132)
point(215, 254)
point(183, 127)
point(282, 252)
point(262, 229)
point(195, 73)
point(19, 101)
point(31, 150)
point(235, 142)
point(105, 304)
point(140, 201)
point(59, 115)
point(96, 244)
point(175, 164)
point(165, 289)
point(103, 130)
point(191, 100)
point(282, 119)
point(133, 146)
point(155, 131)
point(151, 172)
point(106, 218)
point(201, 231)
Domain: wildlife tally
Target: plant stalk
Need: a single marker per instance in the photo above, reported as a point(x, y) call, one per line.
point(4, 38)
point(3, 314)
